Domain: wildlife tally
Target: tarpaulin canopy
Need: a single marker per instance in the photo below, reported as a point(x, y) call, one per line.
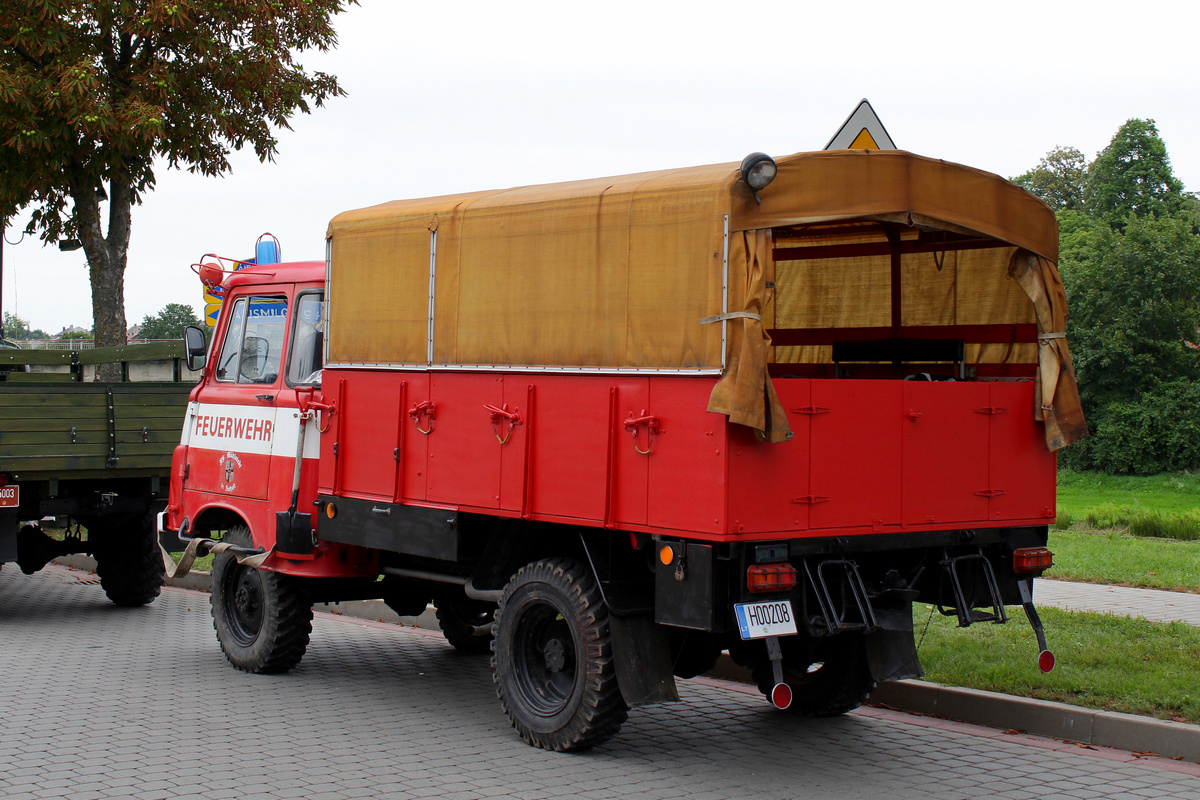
point(618, 273)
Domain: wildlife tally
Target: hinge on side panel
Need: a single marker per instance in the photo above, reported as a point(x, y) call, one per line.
point(809, 499)
point(811, 410)
point(990, 492)
point(992, 410)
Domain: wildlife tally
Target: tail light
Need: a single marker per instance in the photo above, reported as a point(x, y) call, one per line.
point(764, 578)
point(1032, 559)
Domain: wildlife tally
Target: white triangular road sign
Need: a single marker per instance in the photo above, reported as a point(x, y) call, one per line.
point(862, 130)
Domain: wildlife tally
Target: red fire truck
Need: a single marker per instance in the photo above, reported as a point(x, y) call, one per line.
point(612, 428)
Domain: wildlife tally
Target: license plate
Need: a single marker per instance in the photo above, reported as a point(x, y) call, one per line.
point(10, 496)
point(756, 620)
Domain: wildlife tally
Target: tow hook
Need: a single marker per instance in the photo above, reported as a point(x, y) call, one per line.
point(781, 693)
point(1045, 659)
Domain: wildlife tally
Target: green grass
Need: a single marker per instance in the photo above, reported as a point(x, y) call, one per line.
point(1104, 662)
point(1166, 505)
point(1115, 557)
point(202, 564)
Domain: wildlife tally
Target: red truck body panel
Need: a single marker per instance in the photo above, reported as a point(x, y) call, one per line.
point(867, 456)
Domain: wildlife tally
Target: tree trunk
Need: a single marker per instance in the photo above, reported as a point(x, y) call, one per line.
point(107, 257)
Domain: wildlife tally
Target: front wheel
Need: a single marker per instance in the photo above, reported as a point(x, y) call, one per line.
point(263, 619)
point(552, 658)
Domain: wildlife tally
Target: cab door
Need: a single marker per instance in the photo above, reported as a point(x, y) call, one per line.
point(235, 427)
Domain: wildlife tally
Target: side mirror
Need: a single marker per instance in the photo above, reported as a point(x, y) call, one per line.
point(195, 347)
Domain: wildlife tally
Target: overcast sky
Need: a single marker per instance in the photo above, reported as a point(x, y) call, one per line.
point(471, 95)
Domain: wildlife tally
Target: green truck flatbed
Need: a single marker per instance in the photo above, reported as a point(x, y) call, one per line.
point(95, 453)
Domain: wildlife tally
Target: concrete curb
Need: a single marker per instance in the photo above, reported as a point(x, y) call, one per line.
point(1178, 740)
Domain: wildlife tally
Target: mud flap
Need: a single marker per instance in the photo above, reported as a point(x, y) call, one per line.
point(642, 656)
point(8, 535)
point(892, 650)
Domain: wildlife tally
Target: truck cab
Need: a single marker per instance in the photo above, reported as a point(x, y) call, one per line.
point(246, 450)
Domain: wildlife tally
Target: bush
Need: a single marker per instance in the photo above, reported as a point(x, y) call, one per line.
point(1159, 432)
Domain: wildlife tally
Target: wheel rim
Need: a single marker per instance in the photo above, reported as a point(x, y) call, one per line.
point(244, 604)
point(545, 659)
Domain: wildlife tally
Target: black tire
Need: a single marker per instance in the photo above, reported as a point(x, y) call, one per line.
point(552, 658)
point(128, 559)
point(263, 619)
point(467, 624)
point(829, 677)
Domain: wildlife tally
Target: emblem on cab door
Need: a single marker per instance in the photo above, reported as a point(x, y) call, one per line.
point(230, 463)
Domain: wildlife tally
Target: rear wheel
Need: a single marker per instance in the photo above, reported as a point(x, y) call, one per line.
point(829, 676)
point(467, 624)
point(128, 559)
point(263, 619)
point(552, 658)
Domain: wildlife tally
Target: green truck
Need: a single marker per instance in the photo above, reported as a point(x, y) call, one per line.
point(95, 454)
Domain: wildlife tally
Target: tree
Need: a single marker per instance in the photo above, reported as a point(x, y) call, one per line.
point(1129, 255)
point(169, 323)
point(95, 93)
point(1132, 177)
point(77, 335)
point(18, 328)
point(1135, 306)
point(1058, 179)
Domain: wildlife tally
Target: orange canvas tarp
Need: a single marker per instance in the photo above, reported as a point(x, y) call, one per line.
point(617, 273)
point(608, 274)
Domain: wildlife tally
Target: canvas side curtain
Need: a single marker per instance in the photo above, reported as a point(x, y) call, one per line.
point(1057, 393)
point(744, 393)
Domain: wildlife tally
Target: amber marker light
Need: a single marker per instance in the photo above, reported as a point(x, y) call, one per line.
point(667, 554)
point(763, 578)
point(330, 510)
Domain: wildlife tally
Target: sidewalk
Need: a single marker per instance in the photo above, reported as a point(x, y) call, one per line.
point(991, 709)
point(1151, 604)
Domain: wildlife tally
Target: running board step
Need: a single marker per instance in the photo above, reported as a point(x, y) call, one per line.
point(972, 562)
point(851, 609)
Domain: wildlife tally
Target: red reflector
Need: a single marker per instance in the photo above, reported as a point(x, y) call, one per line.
point(781, 696)
point(1032, 559)
point(763, 578)
point(1045, 661)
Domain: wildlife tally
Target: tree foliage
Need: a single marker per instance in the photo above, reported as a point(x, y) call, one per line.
point(1132, 177)
point(1129, 256)
point(94, 94)
point(1135, 306)
point(18, 328)
point(1059, 179)
point(169, 322)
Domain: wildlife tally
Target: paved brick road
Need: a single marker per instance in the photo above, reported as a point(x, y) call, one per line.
point(103, 702)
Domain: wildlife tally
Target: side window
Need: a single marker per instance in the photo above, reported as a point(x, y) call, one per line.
point(308, 340)
point(227, 363)
point(253, 347)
